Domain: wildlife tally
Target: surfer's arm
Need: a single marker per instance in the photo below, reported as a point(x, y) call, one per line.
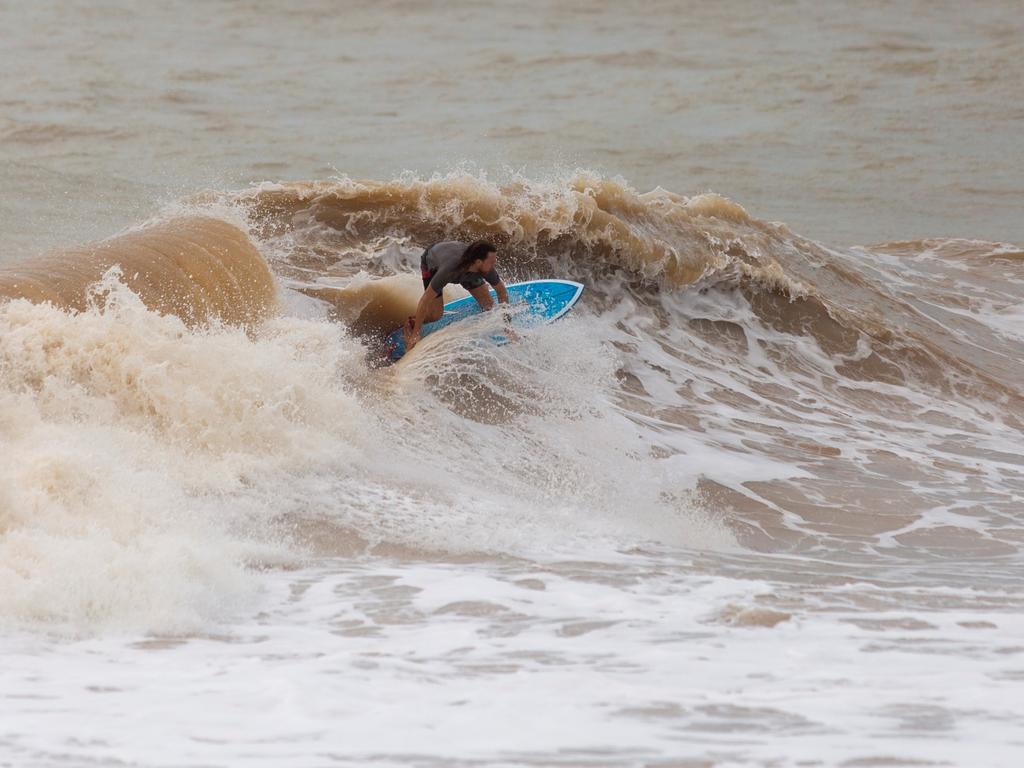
point(502, 292)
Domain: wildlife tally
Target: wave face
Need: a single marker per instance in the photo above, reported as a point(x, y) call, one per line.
point(661, 244)
point(725, 385)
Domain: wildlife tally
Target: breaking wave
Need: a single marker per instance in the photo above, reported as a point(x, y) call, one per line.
point(198, 396)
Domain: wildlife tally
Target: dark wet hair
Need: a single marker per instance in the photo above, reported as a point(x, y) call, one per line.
point(477, 251)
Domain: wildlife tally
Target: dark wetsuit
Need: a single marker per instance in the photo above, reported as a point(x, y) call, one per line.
point(439, 266)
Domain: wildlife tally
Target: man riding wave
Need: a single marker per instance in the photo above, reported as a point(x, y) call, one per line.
point(471, 265)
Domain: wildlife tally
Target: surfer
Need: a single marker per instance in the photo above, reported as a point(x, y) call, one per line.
point(471, 265)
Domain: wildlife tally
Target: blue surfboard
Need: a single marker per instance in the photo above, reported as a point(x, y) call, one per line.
point(545, 300)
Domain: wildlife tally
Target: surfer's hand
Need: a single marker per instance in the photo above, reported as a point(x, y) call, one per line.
point(509, 333)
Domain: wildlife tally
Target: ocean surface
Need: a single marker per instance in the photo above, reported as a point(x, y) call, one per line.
point(757, 501)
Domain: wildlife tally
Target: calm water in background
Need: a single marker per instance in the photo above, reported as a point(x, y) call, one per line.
point(760, 508)
point(896, 121)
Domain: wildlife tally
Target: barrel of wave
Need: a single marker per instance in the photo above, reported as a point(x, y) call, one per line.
point(196, 267)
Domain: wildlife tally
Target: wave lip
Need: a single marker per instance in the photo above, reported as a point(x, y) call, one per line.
point(196, 267)
point(659, 236)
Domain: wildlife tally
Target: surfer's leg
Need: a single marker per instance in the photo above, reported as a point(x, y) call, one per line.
point(482, 294)
point(435, 310)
